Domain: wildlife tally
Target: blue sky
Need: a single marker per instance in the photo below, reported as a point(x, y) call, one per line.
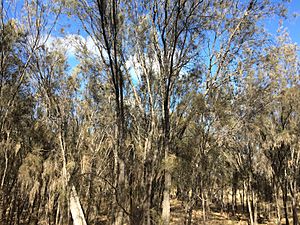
point(292, 24)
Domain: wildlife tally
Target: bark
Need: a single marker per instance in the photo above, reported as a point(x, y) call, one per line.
point(248, 200)
point(74, 203)
point(254, 200)
point(76, 209)
point(166, 199)
point(189, 213)
point(295, 215)
point(278, 209)
point(293, 191)
point(203, 207)
point(243, 199)
point(284, 201)
point(5, 169)
point(250, 210)
point(119, 213)
point(190, 207)
point(233, 197)
point(166, 146)
point(222, 200)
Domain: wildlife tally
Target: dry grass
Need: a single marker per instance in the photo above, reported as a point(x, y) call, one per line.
point(214, 218)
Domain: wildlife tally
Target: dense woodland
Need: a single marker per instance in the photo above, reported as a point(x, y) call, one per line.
point(186, 100)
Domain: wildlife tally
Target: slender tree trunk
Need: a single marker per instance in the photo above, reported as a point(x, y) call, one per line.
point(166, 148)
point(203, 207)
point(293, 190)
point(76, 209)
point(254, 200)
point(284, 201)
point(190, 215)
point(5, 169)
point(166, 198)
point(295, 215)
point(121, 200)
point(2, 207)
point(191, 207)
point(222, 200)
point(250, 210)
point(286, 216)
point(269, 209)
point(243, 199)
point(278, 209)
point(74, 203)
point(119, 174)
point(57, 215)
point(90, 191)
point(249, 204)
point(149, 198)
point(233, 199)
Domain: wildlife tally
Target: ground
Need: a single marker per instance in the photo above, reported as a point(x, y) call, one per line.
point(215, 218)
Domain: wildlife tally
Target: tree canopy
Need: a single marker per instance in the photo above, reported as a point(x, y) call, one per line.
point(169, 102)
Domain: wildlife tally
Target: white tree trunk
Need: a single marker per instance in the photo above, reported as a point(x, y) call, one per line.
point(166, 199)
point(76, 209)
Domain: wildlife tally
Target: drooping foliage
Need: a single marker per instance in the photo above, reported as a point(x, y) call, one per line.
point(184, 105)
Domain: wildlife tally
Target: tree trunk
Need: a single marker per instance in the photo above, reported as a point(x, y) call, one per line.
point(250, 210)
point(295, 215)
point(284, 200)
point(166, 198)
point(149, 199)
point(249, 204)
point(222, 200)
point(166, 146)
point(203, 207)
point(120, 195)
point(243, 199)
point(254, 200)
point(293, 190)
point(189, 208)
point(233, 199)
point(278, 206)
point(190, 215)
point(76, 209)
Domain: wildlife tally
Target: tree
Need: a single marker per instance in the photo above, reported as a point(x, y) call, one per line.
point(173, 96)
point(280, 129)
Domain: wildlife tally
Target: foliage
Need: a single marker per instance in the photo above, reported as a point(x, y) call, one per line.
point(175, 99)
